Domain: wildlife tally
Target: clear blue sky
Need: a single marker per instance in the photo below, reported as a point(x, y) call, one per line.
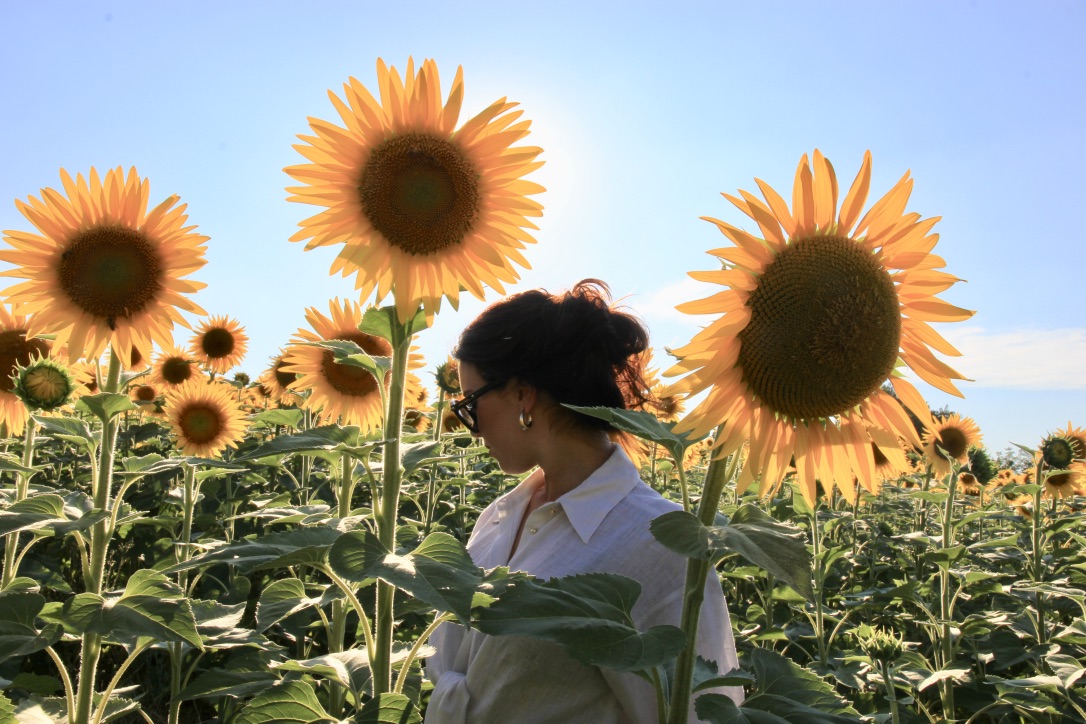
point(646, 111)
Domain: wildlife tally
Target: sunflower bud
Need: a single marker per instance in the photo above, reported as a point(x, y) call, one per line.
point(448, 377)
point(43, 384)
point(1057, 452)
point(879, 644)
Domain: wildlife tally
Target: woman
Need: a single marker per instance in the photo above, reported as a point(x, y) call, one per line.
point(583, 508)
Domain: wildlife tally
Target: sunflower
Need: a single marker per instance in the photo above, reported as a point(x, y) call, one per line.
point(448, 377)
point(103, 270)
point(204, 417)
point(17, 349)
point(969, 485)
point(342, 391)
point(420, 206)
point(174, 367)
point(277, 381)
point(818, 311)
point(220, 343)
point(417, 408)
point(1062, 451)
point(890, 462)
point(144, 394)
point(954, 435)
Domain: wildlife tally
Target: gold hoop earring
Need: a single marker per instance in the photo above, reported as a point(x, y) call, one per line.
point(525, 420)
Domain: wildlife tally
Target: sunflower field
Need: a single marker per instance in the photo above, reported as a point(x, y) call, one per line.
point(184, 542)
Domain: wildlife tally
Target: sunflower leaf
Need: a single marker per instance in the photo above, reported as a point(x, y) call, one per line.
point(643, 425)
point(273, 418)
point(18, 634)
point(778, 548)
point(105, 405)
point(50, 512)
point(326, 437)
point(379, 323)
point(388, 709)
point(289, 701)
point(346, 352)
point(69, 429)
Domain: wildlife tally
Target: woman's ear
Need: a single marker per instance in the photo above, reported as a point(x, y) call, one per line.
point(526, 396)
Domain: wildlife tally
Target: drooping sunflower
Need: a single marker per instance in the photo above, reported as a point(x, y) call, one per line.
point(103, 270)
point(955, 435)
point(420, 206)
point(277, 381)
point(16, 349)
point(219, 344)
point(174, 367)
point(818, 310)
point(342, 391)
point(204, 417)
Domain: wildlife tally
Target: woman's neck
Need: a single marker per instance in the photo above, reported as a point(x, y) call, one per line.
point(570, 461)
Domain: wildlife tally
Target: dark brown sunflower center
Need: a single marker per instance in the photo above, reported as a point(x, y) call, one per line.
point(15, 348)
point(1057, 453)
point(200, 423)
point(110, 272)
point(145, 393)
point(954, 441)
point(349, 380)
point(824, 329)
point(420, 192)
point(282, 377)
point(217, 343)
point(176, 370)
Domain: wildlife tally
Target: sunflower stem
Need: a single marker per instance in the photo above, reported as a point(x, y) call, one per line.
point(721, 470)
point(1037, 543)
point(819, 582)
point(99, 545)
point(390, 500)
point(22, 490)
point(946, 686)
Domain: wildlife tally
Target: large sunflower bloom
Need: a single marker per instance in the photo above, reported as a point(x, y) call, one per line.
point(103, 270)
point(953, 435)
point(1064, 451)
point(816, 313)
point(421, 207)
point(204, 417)
point(16, 349)
point(342, 391)
point(219, 344)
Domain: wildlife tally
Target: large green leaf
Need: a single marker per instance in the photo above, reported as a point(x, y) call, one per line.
point(421, 453)
point(326, 437)
point(50, 512)
point(9, 464)
point(299, 546)
point(589, 615)
point(274, 418)
point(215, 683)
point(778, 548)
point(643, 425)
point(70, 429)
point(105, 405)
point(439, 572)
point(19, 636)
point(794, 693)
point(281, 599)
point(379, 322)
point(346, 352)
point(290, 702)
point(388, 709)
point(219, 625)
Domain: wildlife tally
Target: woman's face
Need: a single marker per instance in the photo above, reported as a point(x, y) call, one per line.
point(497, 415)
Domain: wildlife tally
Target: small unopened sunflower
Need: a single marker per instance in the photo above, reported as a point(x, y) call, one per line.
point(342, 391)
point(818, 308)
point(16, 349)
point(204, 417)
point(44, 384)
point(102, 269)
point(219, 344)
point(448, 377)
point(421, 207)
point(173, 367)
point(953, 435)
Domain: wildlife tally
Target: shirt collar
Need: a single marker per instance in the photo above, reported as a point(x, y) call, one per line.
point(589, 503)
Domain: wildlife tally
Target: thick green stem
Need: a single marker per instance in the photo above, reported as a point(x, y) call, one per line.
point(891, 694)
point(1037, 571)
point(431, 487)
point(946, 686)
point(697, 572)
point(182, 553)
point(22, 490)
point(819, 580)
point(337, 630)
point(390, 501)
point(99, 546)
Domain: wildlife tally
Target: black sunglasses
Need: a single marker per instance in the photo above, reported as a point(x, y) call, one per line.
point(465, 409)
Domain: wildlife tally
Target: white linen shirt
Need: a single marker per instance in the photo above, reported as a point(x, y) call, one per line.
point(602, 525)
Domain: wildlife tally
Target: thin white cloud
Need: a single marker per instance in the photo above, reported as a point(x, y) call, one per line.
point(1022, 359)
point(659, 305)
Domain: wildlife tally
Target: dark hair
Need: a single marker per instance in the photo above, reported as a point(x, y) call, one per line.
point(575, 346)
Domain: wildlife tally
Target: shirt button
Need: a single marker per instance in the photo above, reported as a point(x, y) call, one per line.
point(534, 530)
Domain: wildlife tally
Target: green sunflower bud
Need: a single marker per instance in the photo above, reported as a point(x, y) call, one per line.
point(43, 384)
